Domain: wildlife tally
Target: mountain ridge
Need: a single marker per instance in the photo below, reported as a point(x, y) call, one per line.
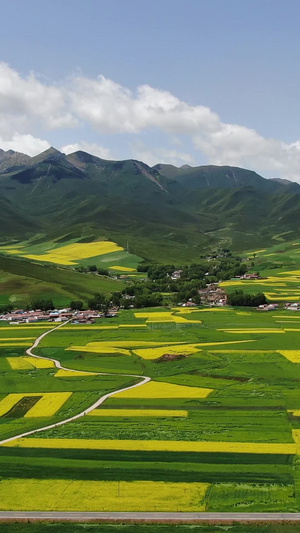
point(165, 211)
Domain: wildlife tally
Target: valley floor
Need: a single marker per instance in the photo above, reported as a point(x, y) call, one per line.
point(216, 429)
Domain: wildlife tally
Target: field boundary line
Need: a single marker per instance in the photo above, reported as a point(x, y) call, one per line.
point(145, 379)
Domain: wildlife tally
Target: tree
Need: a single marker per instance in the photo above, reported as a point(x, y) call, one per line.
point(102, 271)
point(76, 305)
point(99, 302)
point(240, 298)
point(43, 304)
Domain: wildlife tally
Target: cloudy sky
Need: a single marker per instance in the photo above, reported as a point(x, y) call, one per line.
point(170, 81)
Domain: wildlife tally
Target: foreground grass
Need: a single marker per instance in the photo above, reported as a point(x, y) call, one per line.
point(43, 527)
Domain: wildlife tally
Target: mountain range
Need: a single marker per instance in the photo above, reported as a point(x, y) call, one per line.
point(163, 212)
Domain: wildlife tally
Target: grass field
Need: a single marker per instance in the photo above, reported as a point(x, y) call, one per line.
point(280, 266)
point(74, 527)
point(22, 281)
point(218, 424)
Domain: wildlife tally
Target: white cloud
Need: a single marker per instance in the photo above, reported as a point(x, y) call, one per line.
point(29, 108)
point(90, 148)
point(26, 144)
point(27, 100)
point(111, 108)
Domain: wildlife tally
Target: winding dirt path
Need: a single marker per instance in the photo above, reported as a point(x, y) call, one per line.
point(144, 379)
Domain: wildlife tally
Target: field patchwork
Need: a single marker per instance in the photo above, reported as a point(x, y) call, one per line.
point(47, 405)
point(222, 416)
point(27, 363)
point(165, 316)
point(70, 254)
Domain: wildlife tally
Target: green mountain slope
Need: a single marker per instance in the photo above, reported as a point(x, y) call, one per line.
point(165, 213)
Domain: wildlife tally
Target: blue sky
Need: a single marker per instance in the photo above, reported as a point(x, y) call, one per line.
point(173, 81)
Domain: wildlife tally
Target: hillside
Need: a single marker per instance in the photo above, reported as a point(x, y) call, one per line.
point(164, 212)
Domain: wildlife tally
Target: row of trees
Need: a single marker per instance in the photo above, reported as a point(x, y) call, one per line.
point(93, 268)
point(210, 271)
point(241, 298)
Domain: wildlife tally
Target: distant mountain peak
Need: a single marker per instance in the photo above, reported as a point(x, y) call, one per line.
point(283, 181)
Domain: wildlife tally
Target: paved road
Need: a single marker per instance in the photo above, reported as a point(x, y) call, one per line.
point(144, 379)
point(148, 517)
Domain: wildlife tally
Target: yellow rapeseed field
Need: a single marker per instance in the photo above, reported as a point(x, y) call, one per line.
point(14, 339)
point(132, 325)
point(155, 353)
point(252, 331)
point(225, 342)
point(73, 373)
point(26, 363)
point(272, 296)
point(123, 269)
point(161, 445)
point(257, 252)
point(287, 316)
point(123, 347)
point(76, 495)
point(156, 413)
point(185, 310)
point(165, 316)
point(291, 355)
point(160, 389)
point(12, 251)
point(9, 401)
point(67, 255)
point(296, 437)
point(39, 363)
point(18, 363)
point(6, 344)
point(98, 348)
point(48, 405)
point(85, 327)
point(243, 351)
point(295, 412)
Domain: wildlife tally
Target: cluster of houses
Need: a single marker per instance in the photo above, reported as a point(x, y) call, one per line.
point(292, 306)
point(58, 315)
point(176, 275)
point(267, 307)
point(213, 295)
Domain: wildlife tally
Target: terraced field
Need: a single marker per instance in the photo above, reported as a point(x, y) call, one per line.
point(217, 428)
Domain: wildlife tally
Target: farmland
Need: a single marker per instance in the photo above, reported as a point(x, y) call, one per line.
point(29, 270)
point(279, 265)
point(72, 253)
point(221, 411)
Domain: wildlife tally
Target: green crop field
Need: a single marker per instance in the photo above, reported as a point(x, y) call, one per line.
point(22, 281)
point(279, 265)
point(217, 428)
